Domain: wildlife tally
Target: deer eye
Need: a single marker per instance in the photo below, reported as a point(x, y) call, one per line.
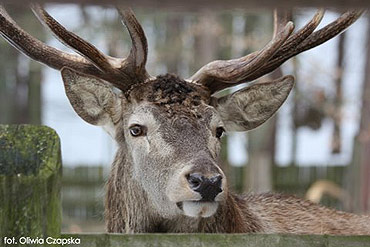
point(219, 132)
point(137, 130)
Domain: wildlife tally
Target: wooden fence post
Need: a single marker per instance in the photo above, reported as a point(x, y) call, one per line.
point(30, 181)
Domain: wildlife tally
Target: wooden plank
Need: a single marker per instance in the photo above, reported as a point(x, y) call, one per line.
point(214, 4)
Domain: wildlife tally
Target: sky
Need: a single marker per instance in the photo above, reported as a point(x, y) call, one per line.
point(85, 144)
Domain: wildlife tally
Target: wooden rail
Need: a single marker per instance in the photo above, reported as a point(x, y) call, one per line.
point(216, 240)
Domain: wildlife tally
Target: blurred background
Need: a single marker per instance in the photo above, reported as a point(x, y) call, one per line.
point(317, 146)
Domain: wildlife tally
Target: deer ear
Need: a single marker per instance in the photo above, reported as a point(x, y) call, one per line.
point(92, 99)
point(250, 107)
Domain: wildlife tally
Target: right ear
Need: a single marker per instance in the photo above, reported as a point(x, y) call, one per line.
point(251, 106)
point(92, 99)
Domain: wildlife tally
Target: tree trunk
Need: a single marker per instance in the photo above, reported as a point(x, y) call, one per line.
point(337, 108)
point(360, 169)
point(258, 174)
point(20, 78)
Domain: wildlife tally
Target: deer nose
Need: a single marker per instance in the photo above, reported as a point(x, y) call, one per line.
point(208, 188)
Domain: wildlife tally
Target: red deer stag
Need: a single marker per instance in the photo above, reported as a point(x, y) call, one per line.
point(165, 176)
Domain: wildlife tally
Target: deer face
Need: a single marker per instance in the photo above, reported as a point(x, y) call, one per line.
point(174, 158)
point(171, 131)
point(173, 135)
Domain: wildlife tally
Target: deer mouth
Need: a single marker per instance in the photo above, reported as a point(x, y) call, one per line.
point(198, 209)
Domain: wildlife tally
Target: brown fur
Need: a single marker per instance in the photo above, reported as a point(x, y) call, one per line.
point(173, 94)
point(129, 209)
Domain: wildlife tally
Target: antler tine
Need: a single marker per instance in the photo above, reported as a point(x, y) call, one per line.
point(39, 51)
point(229, 71)
point(301, 41)
point(281, 18)
point(330, 30)
point(139, 51)
point(121, 73)
point(302, 33)
point(313, 40)
point(70, 39)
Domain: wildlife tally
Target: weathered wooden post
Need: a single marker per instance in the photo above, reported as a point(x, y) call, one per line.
point(30, 180)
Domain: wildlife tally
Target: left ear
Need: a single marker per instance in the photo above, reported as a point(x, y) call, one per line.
point(250, 107)
point(91, 98)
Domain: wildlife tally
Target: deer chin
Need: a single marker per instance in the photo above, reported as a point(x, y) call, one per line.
point(198, 209)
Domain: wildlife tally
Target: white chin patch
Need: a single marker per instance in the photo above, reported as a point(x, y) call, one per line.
point(199, 209)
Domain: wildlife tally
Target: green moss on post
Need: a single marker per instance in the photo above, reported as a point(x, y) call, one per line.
point(30, 180)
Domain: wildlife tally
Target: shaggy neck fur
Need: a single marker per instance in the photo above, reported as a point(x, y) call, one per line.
point(128, 209)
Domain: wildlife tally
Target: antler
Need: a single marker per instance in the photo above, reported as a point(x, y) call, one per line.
point(218, 75)
point(121, 73)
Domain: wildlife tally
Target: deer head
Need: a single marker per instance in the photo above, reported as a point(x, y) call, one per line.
point(168, 129)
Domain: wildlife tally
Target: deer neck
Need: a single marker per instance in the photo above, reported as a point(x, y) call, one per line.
point(233, 216)
point(128, 208)
point(126, 203)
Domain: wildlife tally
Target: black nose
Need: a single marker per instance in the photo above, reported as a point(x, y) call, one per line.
point(208, 188)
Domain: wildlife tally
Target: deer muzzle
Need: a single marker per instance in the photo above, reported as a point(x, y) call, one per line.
point(197, 189)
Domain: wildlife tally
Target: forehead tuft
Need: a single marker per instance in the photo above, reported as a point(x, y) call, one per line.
point(170, 89)
point(173, 94)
